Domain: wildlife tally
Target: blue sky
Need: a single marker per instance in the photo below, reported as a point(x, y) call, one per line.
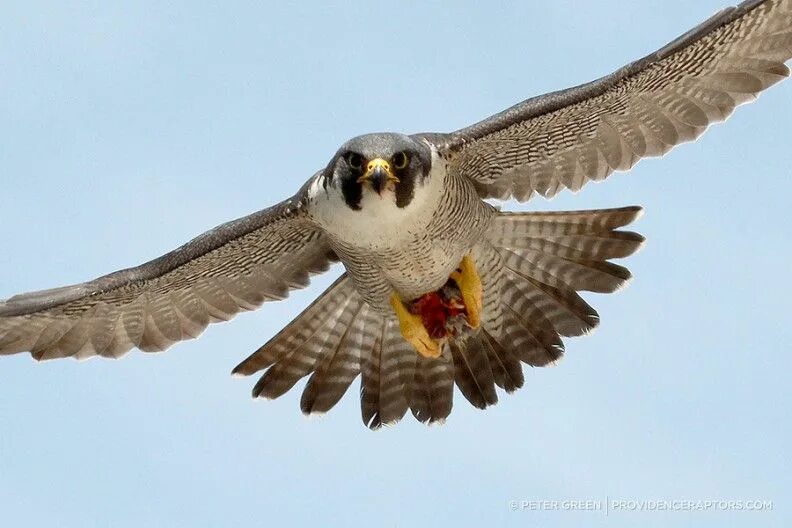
point(126, 130)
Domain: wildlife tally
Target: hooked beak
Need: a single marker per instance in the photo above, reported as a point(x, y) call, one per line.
point(378, 175)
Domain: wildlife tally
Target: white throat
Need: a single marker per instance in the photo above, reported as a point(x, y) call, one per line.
point(379, 223)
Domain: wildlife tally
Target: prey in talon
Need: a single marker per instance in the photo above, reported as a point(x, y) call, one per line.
point(447, 313)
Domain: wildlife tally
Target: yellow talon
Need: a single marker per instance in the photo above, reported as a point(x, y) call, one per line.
point(467, 278)
point(413, 329)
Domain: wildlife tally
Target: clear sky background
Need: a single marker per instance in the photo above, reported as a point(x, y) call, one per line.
point(125, 131)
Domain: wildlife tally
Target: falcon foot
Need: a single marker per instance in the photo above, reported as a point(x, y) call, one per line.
point(413, 329)
point(469, 282)
point(429, 320)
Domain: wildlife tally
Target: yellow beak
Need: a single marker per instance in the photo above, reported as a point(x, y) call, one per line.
point(378, 174)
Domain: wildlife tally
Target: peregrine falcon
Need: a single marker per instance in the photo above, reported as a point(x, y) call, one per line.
point(440, 287)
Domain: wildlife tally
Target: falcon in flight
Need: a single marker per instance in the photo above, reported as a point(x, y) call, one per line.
point(440, 287)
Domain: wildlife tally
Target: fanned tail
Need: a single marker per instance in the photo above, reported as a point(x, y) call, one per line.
point(532, 266)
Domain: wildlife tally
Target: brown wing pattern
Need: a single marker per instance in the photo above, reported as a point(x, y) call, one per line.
point(234, 267)
point(568, 138)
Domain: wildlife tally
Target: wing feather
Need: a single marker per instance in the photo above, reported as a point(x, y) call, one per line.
point(234, 267)
point(566, 139)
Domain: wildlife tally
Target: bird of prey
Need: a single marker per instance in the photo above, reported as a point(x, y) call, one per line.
point(440, 287)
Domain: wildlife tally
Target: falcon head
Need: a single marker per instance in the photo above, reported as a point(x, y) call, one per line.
point(379, 166)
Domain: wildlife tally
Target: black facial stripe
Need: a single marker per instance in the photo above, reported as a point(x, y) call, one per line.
point(405, 189)
point(352, 191)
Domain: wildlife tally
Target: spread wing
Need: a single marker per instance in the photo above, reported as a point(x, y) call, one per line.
point(567, 138)
point(235, 266)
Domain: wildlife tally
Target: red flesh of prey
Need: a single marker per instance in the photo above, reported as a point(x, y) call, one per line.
point(438, 308)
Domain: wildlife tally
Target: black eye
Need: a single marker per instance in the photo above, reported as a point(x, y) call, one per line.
point(400, 160)
point(354, 160)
